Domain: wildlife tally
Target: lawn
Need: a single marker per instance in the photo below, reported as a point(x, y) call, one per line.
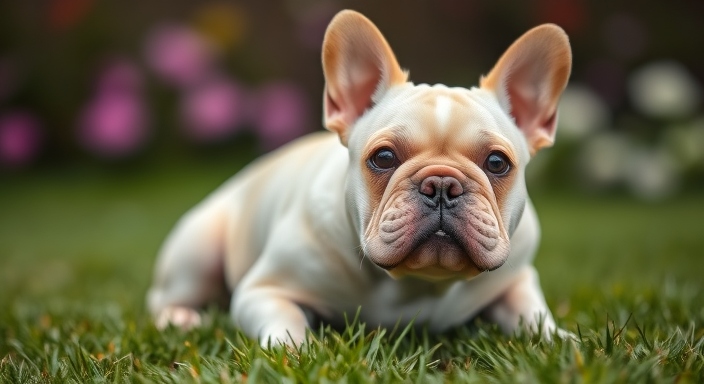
point(76, 255)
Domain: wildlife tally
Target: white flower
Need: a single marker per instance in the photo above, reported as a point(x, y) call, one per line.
point(652, 174)
point(603, 159)
point(581, 113)
point(664, 89)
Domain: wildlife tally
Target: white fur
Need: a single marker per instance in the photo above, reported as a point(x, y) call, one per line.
point(443, 108)
point(292, 242)
point(285, 236)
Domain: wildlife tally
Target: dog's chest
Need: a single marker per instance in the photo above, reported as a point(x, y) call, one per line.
point(439, 306)
point(391, 301)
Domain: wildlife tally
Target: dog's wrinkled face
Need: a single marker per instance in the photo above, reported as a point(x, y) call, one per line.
point(435, 182)
point(438, 181)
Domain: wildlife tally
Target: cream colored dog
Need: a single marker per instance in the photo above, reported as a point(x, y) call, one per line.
point(420, 213)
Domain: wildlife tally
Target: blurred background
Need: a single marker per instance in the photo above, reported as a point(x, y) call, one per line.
point(113, 84)
point(116, 116)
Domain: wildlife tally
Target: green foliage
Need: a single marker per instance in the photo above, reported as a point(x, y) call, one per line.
point(77, 251)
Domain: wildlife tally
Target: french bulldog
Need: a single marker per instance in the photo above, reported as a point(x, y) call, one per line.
point(413, 208)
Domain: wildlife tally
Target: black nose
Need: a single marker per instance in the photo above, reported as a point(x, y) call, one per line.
point(436, 190)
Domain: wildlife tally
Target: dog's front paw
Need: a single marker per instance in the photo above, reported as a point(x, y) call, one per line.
point(549, 331)
point(181, 317)
point(565, 335)
point(282, 337)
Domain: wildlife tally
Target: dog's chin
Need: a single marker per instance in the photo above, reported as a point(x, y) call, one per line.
point(437, 258)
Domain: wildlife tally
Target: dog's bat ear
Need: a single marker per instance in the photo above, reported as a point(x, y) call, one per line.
point(529, 79)
point(359, 67)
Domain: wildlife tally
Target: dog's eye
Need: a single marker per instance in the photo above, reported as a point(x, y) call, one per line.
point(384, 159)
point(497, 164)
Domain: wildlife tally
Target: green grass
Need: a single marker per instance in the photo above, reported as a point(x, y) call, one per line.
point(76, 254)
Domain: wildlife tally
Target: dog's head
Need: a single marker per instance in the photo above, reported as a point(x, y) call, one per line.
point(436, 175)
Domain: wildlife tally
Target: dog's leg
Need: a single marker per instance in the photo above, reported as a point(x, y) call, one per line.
point(189, 270)
point(524, 301)
point(268, 313)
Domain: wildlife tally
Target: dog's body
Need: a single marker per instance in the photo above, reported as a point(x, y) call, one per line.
point(428, 185)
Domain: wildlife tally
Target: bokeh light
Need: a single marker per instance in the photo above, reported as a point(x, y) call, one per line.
point(178, 55)
point(213, 110)
point(114, 123)
point(113, 80)
point(222, 24)
point(281, 113)
point(20, 139)
point(664, 89)
point(582, 112)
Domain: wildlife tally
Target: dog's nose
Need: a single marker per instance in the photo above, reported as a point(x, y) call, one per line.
point(436, 190)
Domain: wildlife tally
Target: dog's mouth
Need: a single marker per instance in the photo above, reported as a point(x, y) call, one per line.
point(441, 234)
point(439, 243)
point(440, 240)
point(437, 255)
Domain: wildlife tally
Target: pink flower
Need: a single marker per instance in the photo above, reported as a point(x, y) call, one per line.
point(282, 113)
point(113, 125)
point(178, 55)
point(20, 139)
point(213, 110)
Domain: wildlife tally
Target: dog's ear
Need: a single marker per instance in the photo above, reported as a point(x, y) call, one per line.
point(529, 79)
point(359, 68)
